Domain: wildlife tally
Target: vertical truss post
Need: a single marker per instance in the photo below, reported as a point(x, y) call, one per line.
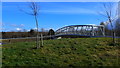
point(77, 30)
point(81, 30)
point(89, 30)
point(92, 31)
point(103, 30)
point(72, 30)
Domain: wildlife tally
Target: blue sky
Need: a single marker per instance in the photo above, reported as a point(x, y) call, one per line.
point(52, 15)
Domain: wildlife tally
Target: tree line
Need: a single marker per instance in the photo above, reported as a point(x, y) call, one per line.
point(31, 33)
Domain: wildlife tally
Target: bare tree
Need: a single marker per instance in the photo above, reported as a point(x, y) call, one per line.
point(34, 11)
point(110, 15)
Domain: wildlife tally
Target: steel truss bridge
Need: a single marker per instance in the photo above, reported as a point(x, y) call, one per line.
point(81, 30)
point(75, 30)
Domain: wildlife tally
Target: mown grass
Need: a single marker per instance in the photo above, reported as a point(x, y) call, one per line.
point(63, 52)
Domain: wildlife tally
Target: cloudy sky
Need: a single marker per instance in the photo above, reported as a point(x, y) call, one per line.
point(52, 14)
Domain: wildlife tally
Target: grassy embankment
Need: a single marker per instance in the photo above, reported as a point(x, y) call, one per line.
point(63, 52)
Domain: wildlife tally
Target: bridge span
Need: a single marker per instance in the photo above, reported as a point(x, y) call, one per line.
point(81, 30)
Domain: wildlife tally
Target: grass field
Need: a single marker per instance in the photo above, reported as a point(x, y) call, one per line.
point(63, 52)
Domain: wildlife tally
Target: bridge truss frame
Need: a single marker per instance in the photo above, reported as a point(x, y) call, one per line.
point(87, 30)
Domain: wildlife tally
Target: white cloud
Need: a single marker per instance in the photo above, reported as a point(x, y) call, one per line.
point(2, 29)
point(15, 25)
point(18, 29)
point(35, 28)
point(22, 25)
point(90, 24)
point(1, 24)
point(70, 10)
